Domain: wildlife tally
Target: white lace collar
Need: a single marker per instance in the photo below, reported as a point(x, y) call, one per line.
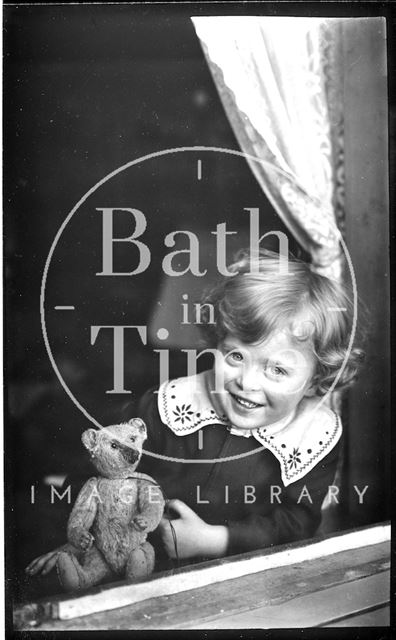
point(298, 441)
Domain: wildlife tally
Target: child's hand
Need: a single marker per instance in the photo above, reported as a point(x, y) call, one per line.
point(45, 563)
point(194, 536)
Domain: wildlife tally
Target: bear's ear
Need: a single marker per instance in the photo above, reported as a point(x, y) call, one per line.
point(138, 423)
point(89, 438)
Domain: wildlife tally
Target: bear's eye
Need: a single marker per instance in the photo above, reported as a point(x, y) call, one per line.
point(114, 445)
point(133, 438)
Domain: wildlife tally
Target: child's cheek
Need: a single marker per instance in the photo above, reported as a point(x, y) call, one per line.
point(227, 377)
point(223, 373)
point(286, 388)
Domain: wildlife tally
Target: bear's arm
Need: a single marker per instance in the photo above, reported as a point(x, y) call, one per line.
point(151, 503)
point(83, 512)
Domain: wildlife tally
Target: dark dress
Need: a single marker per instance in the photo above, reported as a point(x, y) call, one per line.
point(235, 493)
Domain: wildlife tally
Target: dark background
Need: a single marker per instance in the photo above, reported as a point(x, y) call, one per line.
point(87, 90)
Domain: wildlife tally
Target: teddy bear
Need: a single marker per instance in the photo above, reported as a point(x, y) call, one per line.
point(114, 511)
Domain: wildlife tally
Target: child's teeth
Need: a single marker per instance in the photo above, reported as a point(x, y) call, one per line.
point(245, 403)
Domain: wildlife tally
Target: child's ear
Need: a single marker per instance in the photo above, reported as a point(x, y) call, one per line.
point(311, 390)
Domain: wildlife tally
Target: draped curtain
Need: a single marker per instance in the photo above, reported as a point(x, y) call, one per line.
point(280, 83)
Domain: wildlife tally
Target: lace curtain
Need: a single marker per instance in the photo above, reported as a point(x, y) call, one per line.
point(280, 83)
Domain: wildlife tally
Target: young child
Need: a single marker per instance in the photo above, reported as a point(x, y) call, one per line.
point(247, 450)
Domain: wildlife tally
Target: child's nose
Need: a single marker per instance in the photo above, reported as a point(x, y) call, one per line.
point(249, 378)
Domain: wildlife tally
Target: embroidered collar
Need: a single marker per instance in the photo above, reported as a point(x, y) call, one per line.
point(299, 441)
point(271, 429)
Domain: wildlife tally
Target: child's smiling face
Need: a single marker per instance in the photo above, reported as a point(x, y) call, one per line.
point(258, 385)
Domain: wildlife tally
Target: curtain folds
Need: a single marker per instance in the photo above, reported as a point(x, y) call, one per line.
point(280, 85)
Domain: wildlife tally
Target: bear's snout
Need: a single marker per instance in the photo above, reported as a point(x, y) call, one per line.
point(129, 454)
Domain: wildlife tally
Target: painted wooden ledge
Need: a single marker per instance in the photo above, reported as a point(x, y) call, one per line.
point(117, 595)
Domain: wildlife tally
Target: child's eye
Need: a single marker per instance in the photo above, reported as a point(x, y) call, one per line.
point(276, 372)
point(235, 356)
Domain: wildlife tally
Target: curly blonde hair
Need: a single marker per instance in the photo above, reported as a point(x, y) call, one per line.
point(260, 299)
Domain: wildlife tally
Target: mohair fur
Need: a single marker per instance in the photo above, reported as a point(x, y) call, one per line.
point(113, 513)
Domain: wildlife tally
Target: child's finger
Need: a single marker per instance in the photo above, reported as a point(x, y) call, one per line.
point(163, 525)
point(181, 508)
point(167, 538)
point(36, 564)
point(49, 565)
point(165, 529)
point(39, 563)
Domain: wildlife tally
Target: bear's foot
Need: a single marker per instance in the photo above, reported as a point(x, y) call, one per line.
point(74, 576)
point(140, 562)
point(70, 574)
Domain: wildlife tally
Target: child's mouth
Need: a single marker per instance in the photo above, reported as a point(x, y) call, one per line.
point(247, 404)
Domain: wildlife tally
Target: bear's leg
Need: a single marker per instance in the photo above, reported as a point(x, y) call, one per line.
point(140, 563)
point(75, 576)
